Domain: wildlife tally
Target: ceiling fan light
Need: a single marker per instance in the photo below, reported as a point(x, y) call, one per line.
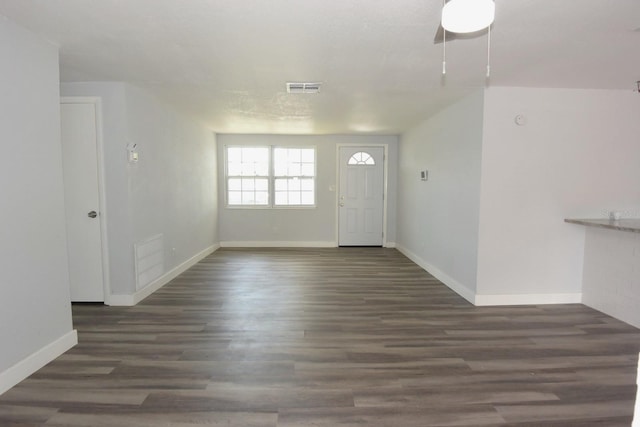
point(467, 16)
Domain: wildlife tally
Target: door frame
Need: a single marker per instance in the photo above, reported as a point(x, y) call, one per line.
point(102, 201)
point(385, 187)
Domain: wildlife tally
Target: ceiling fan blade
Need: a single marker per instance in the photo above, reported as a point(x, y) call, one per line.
point(439, 37)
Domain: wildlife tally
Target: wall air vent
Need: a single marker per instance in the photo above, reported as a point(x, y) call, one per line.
point(301, 87)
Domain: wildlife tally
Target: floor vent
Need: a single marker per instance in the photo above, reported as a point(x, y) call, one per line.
point(149, 260)
point(301, 87)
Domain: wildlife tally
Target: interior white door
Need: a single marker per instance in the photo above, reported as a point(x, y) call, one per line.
point(360, 199)
point(82, 200)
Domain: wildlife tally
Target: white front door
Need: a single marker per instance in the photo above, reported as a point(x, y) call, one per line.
point(360, 199)
point(82, 200)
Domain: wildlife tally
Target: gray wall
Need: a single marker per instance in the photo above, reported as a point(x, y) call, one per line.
point(172, 190)
point(303, 226)
point(34, 278)
point(438, 218)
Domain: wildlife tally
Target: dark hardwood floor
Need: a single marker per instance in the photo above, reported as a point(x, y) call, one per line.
point(330, 337)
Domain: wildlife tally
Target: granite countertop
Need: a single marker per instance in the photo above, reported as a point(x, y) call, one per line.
point(625, 224)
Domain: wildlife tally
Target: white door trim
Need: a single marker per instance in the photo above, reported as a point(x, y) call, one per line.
point(384, 190)
point(97, 102)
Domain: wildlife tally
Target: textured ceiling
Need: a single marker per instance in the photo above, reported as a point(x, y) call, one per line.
point(227, 61)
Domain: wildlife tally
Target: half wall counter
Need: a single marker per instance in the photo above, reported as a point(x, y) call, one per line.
point(611, 271)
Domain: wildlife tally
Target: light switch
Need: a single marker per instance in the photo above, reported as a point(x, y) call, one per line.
point(133, 153)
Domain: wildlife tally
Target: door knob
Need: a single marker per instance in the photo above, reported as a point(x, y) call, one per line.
point(341, 204)
point(92, 214)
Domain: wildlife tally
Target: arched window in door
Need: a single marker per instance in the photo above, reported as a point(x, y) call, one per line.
point(361, 158)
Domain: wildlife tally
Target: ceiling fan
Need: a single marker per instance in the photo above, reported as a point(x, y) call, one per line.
point(440, 35)
point(464, 19)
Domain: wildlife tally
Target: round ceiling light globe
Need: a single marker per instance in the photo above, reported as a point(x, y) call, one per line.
point(468, 16)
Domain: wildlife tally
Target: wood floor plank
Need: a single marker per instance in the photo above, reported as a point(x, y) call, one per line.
point(330, 337)
point(182, 419)
point(476, 415)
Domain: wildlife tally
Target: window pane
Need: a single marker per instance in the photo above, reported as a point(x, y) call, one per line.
point(234, 155)
point(307, 169)
point(280, 161)
point(248, 184)
point(262, 198)
point(262, 154)
point(281, 198)
point(235, 197)
point(234, 169)
point(262, 169)
point(254, 154)
point(307, 198)
point(306, 184)
point(262, 184)
point(248, 198)
point(294, 155)
point(248, 161)
point(235, 184)
point(294, 198)
point(294, 169)
point(248, 169)
point(294, 184)
point(281, 184)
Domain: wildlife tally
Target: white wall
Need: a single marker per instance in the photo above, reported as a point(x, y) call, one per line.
point(172, 190)
point(304, 226)
point(611, 281)
point(576, 156)
point(35, 313)
point(438, 219)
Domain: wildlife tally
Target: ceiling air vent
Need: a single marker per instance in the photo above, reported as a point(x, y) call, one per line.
point(300, 87)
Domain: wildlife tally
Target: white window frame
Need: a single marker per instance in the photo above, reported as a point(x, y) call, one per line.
point(301, 176)
point(271, 177)
point(227, 177)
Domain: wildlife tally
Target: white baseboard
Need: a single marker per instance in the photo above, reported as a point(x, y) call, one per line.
point(390, 245)
point(278, 244)
point(133, 299)
point(527, 299)
point(37, 360)
point(488, 300)
point(451, 283)
point(636, 417)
